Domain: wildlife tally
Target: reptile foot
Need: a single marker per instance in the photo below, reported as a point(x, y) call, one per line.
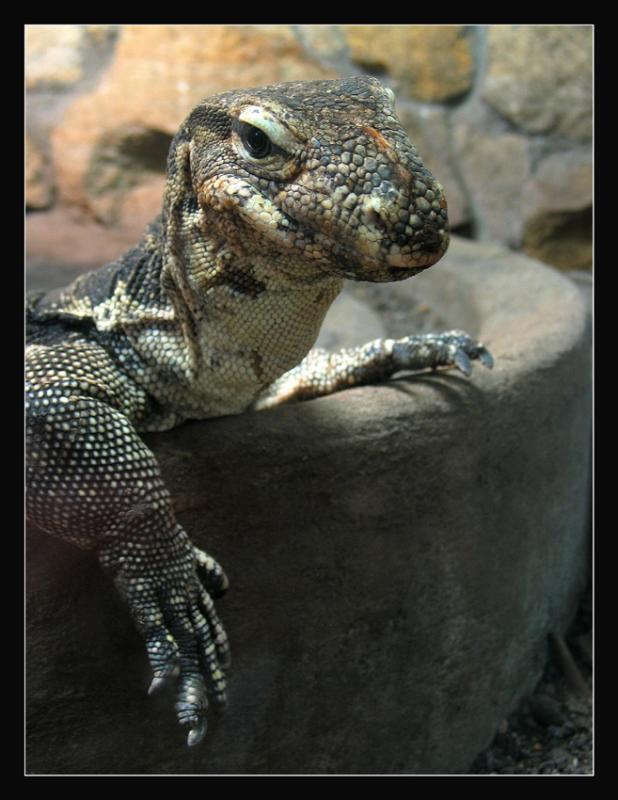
point(448, 349)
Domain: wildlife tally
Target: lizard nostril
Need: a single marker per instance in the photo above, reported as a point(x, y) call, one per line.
point(375, 215)
point(373, 218)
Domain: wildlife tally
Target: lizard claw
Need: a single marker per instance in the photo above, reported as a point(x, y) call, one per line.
point(196, 734)
point(157, 683)
point(462, 362)
point(161, 680)
point(163, 676)
point(485, 357)
point(459, 351)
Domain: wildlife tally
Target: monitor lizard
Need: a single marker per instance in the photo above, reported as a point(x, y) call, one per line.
point(273, 197)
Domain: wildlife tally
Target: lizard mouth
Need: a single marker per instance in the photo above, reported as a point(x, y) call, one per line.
point(385, 262)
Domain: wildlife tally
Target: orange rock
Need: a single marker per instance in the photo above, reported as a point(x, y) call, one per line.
point(429, 62)
point(159, 72)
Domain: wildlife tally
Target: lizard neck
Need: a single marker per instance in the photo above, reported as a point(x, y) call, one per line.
point(222, 291)
point(244, 321)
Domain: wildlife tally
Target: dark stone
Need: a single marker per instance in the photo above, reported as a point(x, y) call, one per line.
point(545, 710)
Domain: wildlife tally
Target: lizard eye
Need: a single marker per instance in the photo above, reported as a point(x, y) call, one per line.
point(255, 140)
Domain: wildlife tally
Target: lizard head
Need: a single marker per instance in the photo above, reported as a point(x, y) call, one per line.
point(318, 176)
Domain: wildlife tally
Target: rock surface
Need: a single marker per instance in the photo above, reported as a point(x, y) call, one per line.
point(540, 77)
point(558, 211)
point(495, 169)
point(54, 55)
point(39, 191)
point(431, 63)
point(398, 555)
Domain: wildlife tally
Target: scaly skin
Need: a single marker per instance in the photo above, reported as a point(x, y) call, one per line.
point(273, 196)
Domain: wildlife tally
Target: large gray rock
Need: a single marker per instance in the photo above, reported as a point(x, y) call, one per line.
point(398, 555)
point(495, 168)
point(540, 77)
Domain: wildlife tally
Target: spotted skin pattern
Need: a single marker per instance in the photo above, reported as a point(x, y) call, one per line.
point(273, 197)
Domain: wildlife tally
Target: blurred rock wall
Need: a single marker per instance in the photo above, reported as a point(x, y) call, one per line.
point(501, 114)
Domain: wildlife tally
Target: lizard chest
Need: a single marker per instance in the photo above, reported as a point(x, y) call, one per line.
point(244, 343)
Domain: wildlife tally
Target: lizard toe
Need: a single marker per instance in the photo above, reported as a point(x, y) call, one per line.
point(210, 653)
point(210, 573)
point(217, 631)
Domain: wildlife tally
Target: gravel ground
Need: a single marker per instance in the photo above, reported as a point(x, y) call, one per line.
point(551, 732)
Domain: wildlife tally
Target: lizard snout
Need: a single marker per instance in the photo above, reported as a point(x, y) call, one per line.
point(409, 232)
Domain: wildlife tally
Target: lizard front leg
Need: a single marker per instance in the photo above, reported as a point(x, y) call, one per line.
point(321, 373)
point(92, 481)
